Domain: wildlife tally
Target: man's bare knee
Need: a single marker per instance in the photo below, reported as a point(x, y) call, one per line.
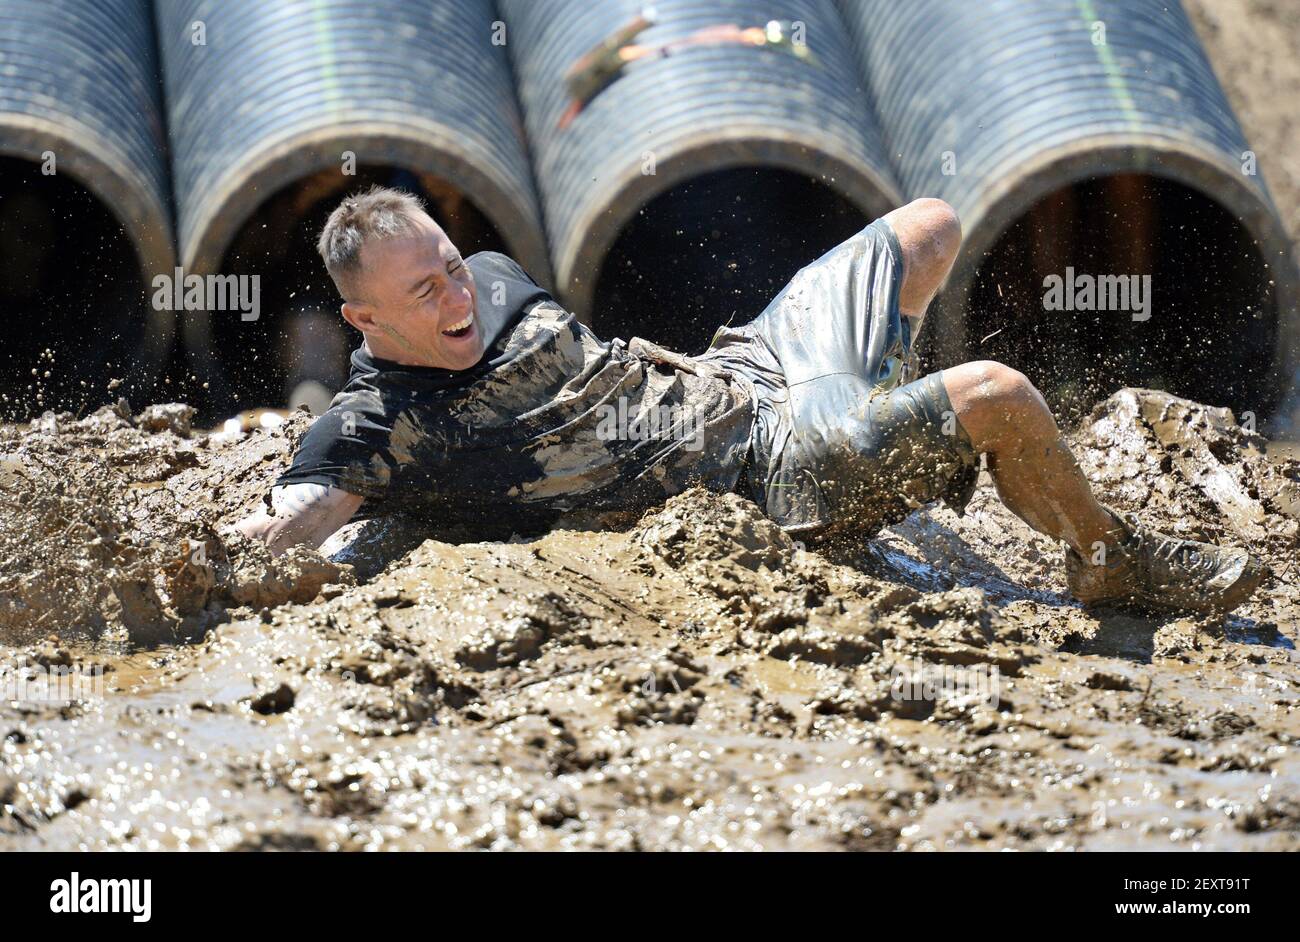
point(1001, 385)
point(939, 220)
point(929, 233)
point(994, 401)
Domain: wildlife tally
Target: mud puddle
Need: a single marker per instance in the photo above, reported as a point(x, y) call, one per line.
point(696, 680)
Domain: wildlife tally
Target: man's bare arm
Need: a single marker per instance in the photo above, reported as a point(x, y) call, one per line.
point(300, 513)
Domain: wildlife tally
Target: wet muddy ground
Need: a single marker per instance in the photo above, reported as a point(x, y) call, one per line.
point(696, 680)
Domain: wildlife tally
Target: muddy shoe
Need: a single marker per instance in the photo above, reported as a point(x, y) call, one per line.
point(1156, 571)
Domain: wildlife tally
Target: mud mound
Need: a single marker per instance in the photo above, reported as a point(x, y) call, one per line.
point(1194, 471)
point(1177, 465)
point(95, 544)
point(1195, 465)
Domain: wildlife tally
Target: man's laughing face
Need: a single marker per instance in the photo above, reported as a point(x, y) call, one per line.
point(417, 301)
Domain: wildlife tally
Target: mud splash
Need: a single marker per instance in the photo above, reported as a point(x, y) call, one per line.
point(696, 680)
point(109, 530)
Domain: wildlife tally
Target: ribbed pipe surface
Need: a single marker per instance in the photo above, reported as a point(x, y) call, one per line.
point(79, 78)
point(700, 109)
point(1025, 97)
point(283, 89)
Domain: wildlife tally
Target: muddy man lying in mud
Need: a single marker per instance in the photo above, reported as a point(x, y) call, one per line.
point(477, 401)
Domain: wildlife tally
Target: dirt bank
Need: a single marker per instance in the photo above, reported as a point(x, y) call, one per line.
point(697, 680)
point(1255, 48)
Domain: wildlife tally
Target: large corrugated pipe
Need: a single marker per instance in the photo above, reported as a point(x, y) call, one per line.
point(1089, 135)
point(690, 189)
point(273, 104)
point(84, 201)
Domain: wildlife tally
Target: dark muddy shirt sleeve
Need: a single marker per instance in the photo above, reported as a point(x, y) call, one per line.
point(344, 448)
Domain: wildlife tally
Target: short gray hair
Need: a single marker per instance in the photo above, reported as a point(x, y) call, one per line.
point(378, 213)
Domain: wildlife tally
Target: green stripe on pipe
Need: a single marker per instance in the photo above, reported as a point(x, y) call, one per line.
point(326, 48)
point(1114, 74)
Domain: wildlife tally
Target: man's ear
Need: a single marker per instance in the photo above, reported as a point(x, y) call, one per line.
point(360, 315)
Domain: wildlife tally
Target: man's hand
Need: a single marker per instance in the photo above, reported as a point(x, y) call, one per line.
point(300, 513)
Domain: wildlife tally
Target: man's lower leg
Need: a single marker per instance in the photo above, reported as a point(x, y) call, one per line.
point(1039, 479)
point(1036, 474)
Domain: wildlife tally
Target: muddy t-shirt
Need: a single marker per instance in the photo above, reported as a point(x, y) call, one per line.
point(551, 420)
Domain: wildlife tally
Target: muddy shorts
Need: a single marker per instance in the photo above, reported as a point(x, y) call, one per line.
point(845, 439)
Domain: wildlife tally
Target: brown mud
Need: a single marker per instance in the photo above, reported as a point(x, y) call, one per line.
point(107, 529)
point(696, 680)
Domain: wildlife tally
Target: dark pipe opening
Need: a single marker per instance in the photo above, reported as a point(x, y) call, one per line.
point(1212, 328)
point(298, 348)
point(715, 250)
point(71, 293)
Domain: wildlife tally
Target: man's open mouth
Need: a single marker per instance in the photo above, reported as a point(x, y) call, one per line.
point(462, 329)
